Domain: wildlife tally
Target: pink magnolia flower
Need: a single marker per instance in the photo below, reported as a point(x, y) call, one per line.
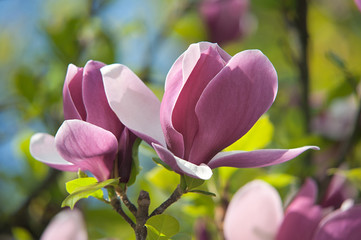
point(255, 213)
point(226, 20)
point(211, 100)
point(66, 225)
point(92, 136)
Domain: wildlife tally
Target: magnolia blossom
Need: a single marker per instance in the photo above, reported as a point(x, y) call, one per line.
point(91, 137)
point(226, 20)
point(66, 225)
point(255, 213)
point(211, 100)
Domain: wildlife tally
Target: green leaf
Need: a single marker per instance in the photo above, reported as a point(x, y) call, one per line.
point(83, 188)
point(258, 137)
point(279, 180)
point(162, 227)
point(203, 192)
point(188, 183)
point(135, 163)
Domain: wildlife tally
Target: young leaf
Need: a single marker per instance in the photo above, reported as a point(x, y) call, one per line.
point(203, 192)
point(83, 188)
point(188, 183)
point(135, 163)
point(162, 227)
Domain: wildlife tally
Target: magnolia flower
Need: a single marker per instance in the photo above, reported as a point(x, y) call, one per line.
point(255, 213)
point(91, 137)
point(226, 20)
point(211, 100)
point(66, 225)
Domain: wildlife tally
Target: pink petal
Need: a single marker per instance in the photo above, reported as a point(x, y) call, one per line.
point(125, 154)
point(185, 83)
point(96, 104)
point(340, 225)
point(257, 158)
point(66, 225)
point(302, 216)
point(72, 94)
point(182, 166)
point(254, 213)
point(232, 103)
point(133, 102)
point(88, 146)
point(42, 148)
point(337, 192)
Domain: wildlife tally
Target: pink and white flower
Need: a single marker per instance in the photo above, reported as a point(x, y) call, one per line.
point(255, 213)
point(91, 137)
point(211, 100)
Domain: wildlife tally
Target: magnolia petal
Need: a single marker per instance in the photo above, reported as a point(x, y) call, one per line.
point(96, 104)
point(254, 213)
point(66, 225)
point(72, 94)
point(337, 192)
point(201, 63)
point(232, 103)
point(185, 82)
point(302, 215)
point(182, 166)
point(340, 225)
point(88, 146)
point(125, 155)
point(257, 158)
point(42, 148)
point(133, 102)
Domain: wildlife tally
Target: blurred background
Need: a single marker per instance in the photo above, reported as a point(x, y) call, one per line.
point(315, 47)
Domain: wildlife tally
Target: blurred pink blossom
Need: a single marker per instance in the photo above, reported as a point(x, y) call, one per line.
point(66, 225)
point(358, 4)
point(255, 213)
point(225, 20)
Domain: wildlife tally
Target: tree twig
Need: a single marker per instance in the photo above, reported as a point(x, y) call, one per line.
point(176, 195)
point(116, 204)
point(123, 196)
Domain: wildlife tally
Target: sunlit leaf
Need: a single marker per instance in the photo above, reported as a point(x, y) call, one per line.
point(189, 183)
point(279, 180)
point(165, 226)
point(258, 137)
point(83, 188)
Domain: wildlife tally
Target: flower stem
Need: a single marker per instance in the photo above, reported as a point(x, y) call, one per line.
point(176, 195)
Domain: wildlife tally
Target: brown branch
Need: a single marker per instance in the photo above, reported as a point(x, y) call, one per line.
point(176, 195)
point(116, 204)
point(123, 196)
point(142, 215)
